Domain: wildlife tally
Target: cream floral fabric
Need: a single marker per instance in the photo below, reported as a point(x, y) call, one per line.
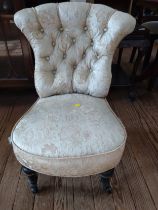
point(73, 44)
point(70, 126)
point(70, 131)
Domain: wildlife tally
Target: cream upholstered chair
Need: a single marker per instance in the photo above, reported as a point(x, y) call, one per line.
point(71, 130)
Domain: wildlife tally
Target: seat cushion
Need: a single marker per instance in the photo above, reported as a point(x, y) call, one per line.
point(69, 135)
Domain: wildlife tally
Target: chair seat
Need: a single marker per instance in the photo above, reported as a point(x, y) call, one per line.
point(69, 135)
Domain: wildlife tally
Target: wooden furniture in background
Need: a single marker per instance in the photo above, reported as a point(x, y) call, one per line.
point(148, 14)
point(139, 40)
point(146, 6)
point(16, 60)
point(123, 5)
point(150, 73)
point(16, 63)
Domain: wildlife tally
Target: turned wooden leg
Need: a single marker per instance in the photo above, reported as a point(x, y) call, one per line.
point(32, 178)
point(105, 179)
point(134, 50)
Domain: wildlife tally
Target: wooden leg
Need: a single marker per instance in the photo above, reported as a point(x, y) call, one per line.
point(148, 55)
point(134, 50)
point(132, 91)
point(32, 178)
point(151, 73)
point(105, 179)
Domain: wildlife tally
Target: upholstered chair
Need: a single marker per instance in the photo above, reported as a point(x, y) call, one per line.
point(71, 131)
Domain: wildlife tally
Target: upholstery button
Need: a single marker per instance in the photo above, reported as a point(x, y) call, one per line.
point(73, 40)
point(64, 56)
point(85, 28)
point(53, 44)
point(84, 55)
point(61, 29)
point(92, 43)
point(74, 67)
point(54, 71)
point(41, 30)
point(97, 56)
point(105, 29)
point(47, 58)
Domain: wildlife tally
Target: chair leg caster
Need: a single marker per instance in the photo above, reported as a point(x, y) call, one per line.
point(105, 180)
point(32, 178)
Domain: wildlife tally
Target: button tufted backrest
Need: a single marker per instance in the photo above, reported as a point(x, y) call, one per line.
point(73, 44)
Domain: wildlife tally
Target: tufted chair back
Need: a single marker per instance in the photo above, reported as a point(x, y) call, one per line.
point(73, 44)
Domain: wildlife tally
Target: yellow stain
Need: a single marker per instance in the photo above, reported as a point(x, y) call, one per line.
point(77, 105)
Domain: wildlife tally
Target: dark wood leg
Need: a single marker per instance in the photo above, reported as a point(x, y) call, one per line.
point(150, 72)
point(148, 55)
point(134, 50)
point(32, 178)
point(132, 90)
point(105, 179)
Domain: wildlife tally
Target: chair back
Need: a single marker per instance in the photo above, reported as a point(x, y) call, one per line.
point(73, 45)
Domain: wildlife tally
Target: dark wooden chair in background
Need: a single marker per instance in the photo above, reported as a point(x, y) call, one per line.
point(16, 61)
point(138, 41)
point(148, 18)
point(123, 5)
point(147, 10)
point(147, 15)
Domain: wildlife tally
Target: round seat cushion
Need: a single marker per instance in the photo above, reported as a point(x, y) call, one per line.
point(69, 135)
